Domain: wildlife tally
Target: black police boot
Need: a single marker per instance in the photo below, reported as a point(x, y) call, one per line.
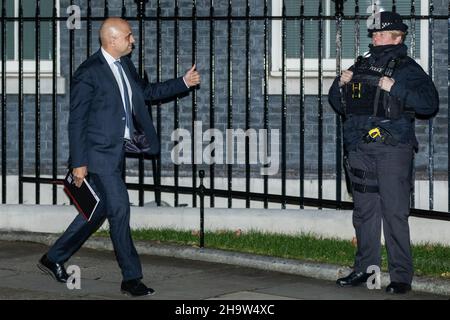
point(136, 288)
point(353, 279)
point(398, 287)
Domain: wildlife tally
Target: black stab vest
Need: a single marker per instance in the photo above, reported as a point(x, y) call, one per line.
point(360, 93)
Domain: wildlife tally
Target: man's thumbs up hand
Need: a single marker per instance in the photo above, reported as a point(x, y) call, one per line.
point(192, 77)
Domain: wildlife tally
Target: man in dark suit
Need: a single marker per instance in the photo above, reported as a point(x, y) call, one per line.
point(106, 95)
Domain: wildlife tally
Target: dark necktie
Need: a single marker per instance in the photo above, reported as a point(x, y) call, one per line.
point(128, 115)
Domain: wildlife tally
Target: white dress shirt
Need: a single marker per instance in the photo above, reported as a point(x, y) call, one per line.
point(115, 71)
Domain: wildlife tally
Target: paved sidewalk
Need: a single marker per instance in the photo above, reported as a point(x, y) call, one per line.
point(172, 278)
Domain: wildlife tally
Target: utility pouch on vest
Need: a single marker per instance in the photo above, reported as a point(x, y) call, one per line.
point(359, 94)
point(356, 90)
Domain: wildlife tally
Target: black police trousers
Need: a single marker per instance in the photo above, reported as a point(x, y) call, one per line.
point(381, 185)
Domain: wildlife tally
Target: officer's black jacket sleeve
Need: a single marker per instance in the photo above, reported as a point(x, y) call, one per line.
point(416, 89)
point(334, 97)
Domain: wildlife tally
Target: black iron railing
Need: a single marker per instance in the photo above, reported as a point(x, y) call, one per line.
point(201, 102)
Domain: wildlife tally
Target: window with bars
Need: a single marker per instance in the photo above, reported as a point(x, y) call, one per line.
point(351, 45)
point(29, 31)
point(349, 48)
point(11, 51)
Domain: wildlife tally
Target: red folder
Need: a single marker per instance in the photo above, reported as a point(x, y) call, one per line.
point(84, 197)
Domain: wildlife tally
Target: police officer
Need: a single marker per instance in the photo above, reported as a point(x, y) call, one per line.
point(378, 98)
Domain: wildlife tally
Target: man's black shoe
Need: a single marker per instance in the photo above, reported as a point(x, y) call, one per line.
point(55, 270)
point(136, 288)
point(398, 287)
point(353, 279)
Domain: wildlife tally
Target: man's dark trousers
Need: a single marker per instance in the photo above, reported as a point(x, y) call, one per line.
point(115, 206)
point(392, 166)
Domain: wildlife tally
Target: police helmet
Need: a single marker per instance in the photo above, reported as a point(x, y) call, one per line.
point(386, 21)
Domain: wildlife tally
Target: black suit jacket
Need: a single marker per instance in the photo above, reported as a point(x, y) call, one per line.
point(97, 116)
